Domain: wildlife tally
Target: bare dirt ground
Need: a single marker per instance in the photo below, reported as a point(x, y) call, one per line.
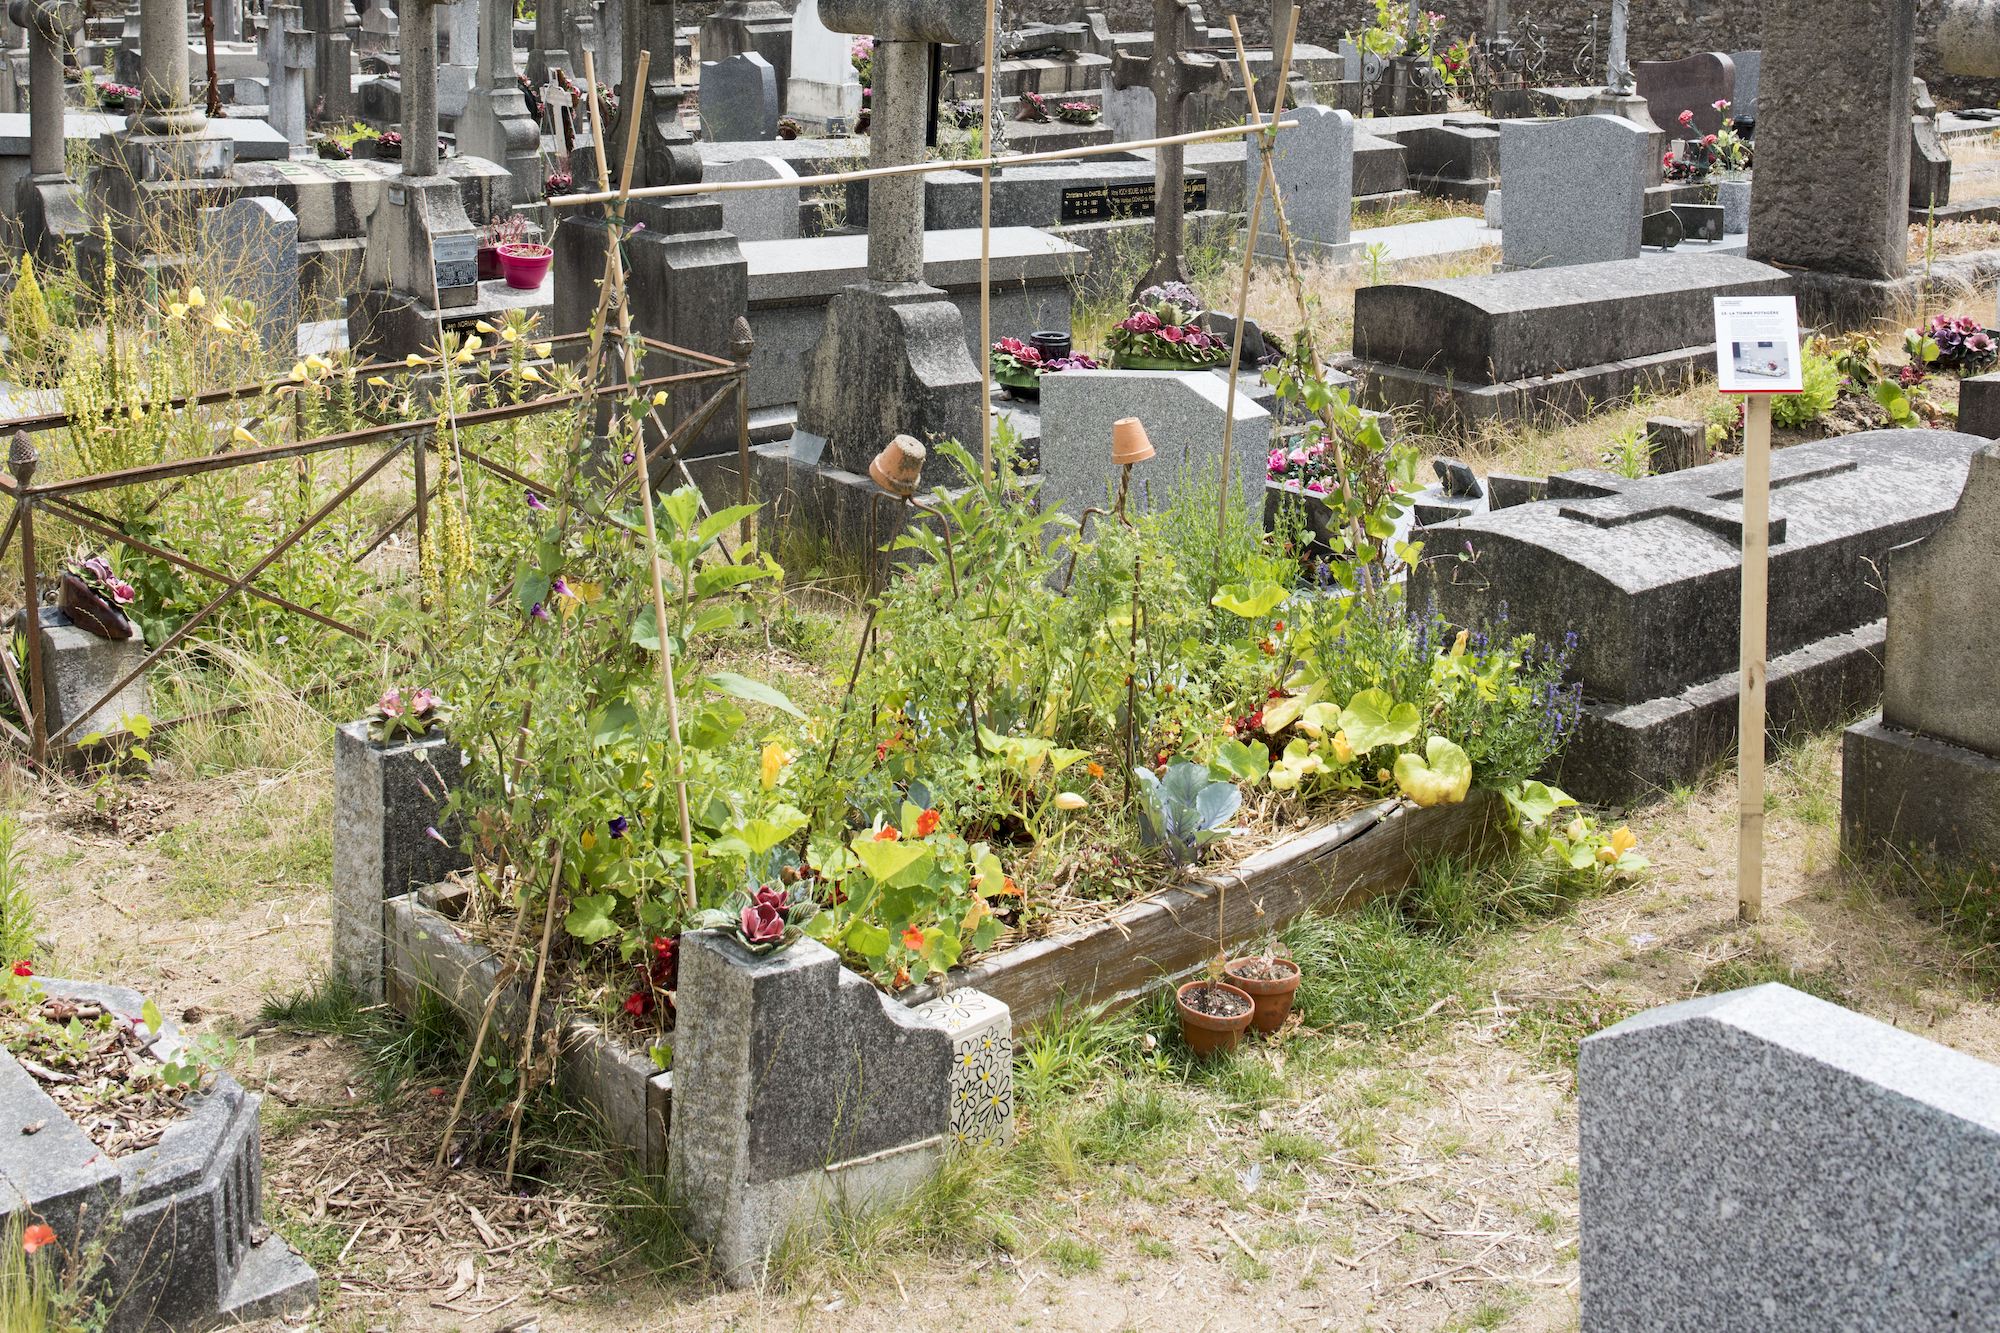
point(1418, 1178)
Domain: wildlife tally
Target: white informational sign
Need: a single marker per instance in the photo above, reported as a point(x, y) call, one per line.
point(1757, 345)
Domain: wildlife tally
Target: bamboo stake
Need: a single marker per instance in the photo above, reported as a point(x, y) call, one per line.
point(614, 281)
point(919, 168)
point(986, 254)
point(1269, 136)
point(479, 1039)
point(525, 1061)
point(1750, 697)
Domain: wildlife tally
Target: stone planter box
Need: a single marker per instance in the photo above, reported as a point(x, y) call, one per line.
point(1171, 935)
point(180, 1223)
point(1734, 196)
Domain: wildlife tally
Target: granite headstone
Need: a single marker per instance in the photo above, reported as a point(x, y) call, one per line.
point(1314, 168)
point(1695, 83)
point(739, 99)
point(757, 215)
point(1576, 190)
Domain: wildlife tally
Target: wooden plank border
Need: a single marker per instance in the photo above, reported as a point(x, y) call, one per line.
point(1172, 934)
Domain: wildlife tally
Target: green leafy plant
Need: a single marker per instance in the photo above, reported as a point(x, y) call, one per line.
point(1821, 378)
point(908, 898)
point(763, 922)
point(1185, 811)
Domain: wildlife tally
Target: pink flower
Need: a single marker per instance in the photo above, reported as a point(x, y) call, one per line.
point(1687, 117)
point(761, 921)
point(1722, 104)
point(1708, 139)
point(391, 703)
point(1172, 333)
point(422, 702)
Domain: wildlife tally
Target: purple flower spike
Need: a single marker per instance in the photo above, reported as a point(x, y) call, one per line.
point(619, 825)
point(561, 587)
point(539, 612)
point(535, 503)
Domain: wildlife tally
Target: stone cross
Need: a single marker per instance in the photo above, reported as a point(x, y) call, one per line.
point(1618, 79)
point(330, 79)
point(420, 74)
point(288, 53)
point(1174, 72)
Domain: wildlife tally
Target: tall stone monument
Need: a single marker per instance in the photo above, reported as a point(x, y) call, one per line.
point(1924, 773)
point(1833, 155)
point(423, 252)
point(46, 200)
point(496, 124)
point(330, 80)
point(685, 274)
point(288, 54)
point(892, 359)
point(1620, 95)
point(1174, 71)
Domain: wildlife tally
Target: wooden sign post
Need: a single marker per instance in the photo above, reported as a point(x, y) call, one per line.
point(1757, 354)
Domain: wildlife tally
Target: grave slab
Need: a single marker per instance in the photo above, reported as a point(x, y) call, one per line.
point(1749, 1160)
point(1646, 572)
point(1517, 344)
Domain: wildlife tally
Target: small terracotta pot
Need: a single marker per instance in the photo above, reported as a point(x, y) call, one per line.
point(525, 263)
point(1129, 442)
point(899, 468)
point(1272, 997)
point(1206, 1034)
point(87, 610)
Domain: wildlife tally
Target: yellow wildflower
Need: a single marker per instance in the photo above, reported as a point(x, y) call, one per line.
point(195, 298)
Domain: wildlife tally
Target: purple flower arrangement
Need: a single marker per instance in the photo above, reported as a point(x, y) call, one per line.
point(1016, 362)
point(1962, 345)
point(1034, 107)
point(1304, 467)
point(1163, 329)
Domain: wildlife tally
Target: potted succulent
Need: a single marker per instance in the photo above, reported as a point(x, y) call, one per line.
point(525, 263)
point(117, 96)
point(1163, 332)
point(93, 596)
point(1079, 113)
point(1270, 981)
point(1213, 1014)
point(506, 229)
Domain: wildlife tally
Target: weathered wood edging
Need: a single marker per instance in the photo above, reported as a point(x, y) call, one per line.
point(1171, 934)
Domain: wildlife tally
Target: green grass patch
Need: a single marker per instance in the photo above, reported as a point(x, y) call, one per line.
point(275, 843)
point(1368, 971)
point(1762, 967)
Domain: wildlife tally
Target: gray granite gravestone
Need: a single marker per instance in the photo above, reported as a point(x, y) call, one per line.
point(1695, 84)
point(288, 53)
point(743, 27)
point(386, 798)
point(1767, 1160)
point(1183, 412)
point(800, 1090)
point(175, 1232)
point(77, 668)
point(1924, 773)
point(757, 215)
point(1576, 190)
point(1314, 169)
point(1647, 572)
point(1832, 197)
point(1520, 343)
point(250, 247)
point(1743, 99)
point(459, 55)
point(739, 99)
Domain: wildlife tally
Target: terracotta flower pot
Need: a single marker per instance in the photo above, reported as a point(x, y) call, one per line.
point(1210, 1034)
point(899, 468)
point(75, 599)
point(1271, 995)
point(1129, 442)
point(525, 263)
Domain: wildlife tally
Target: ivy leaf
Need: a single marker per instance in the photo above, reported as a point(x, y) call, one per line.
point(751, 691)
point(1442, 776)
point(1373, 718)
point(589, 918)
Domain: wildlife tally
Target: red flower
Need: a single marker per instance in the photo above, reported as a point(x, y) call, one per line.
point(1708, 138)
point(1687, 117)
point(927, 823)
point(21, 969)
point(36, 1236)
point(888, 833)
point(913, 939)
point(881, 751)
point(638, 1004)
point(761, 922)
point(1171, 333)
point(1277, 627)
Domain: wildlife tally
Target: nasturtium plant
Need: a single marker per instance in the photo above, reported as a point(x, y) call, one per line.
point(1442, 775)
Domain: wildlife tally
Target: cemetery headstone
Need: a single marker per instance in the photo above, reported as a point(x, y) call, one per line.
point(1832, 197)
point(330, 78)
point(1314, 169)
point(1930, 164)
point(1924, 773)
point(1695, 84)
point(1173, 71)
point(77, 668)
point(1749, 69)
point(824, 89)
point(744, 27)
point(496, 124)
point(459, 65)
point(1576, 190)
point(739, 99)
point(288, 54)
point(1749, 1160)
point(250, 247)
point(757, 215)
point(1646, 572)
point(1183, 411)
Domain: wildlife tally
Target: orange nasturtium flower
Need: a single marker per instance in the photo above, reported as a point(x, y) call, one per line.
point(1008, 888)
point(927, 823)
point(913, 938)
point(36, 1236)
point(1094, 768)
point(889, 833)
